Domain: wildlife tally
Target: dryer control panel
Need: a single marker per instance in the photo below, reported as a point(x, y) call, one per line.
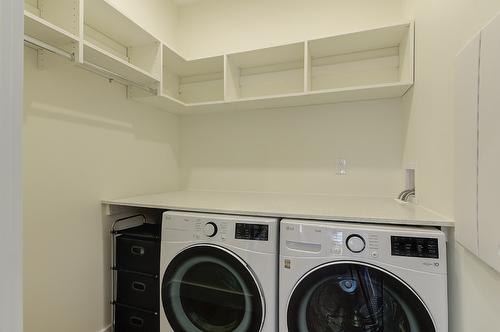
point(258, 234)
point(419, 248)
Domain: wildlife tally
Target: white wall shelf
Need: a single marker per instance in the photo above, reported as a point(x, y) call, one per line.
point(64, 14)
point(265, 72)
point(371, 57)
point(47, 32)
point(364, 65)
point(116, 43)
point(53, 22)
point(108, 61)
point(195, 81)
point(389, 90)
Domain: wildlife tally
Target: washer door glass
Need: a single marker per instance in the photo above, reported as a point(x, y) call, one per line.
point(206, 288)
point(350, 297)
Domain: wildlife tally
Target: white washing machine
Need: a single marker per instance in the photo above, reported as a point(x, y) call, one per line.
point(219, 273)
point(342, 277)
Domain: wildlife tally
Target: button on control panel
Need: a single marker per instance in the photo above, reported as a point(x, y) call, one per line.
point(355, 243)
point(210, 229)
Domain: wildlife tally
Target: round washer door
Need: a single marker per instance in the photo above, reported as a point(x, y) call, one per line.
point(208, 288)
point(355, 297)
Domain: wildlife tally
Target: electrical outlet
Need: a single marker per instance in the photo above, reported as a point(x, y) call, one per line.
point(341, 167)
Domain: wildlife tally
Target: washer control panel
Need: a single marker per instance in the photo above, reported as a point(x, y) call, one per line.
point(418, 248)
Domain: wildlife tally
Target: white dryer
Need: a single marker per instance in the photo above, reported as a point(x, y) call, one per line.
point(219, 273)
point(342, 277)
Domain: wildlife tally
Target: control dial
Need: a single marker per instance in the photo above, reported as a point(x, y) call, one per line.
point(355, 243)
point(210, 229)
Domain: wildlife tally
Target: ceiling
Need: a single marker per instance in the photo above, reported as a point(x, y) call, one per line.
point(185, 2)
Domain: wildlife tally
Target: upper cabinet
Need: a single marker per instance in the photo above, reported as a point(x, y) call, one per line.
point(466, 152)
point(477, 136)
point(489, 153)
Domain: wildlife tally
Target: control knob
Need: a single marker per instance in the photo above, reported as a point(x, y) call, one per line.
point(355, 243)
point(210, 229)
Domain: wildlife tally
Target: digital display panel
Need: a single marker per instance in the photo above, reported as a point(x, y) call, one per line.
point(252, 232)
point(414, 247)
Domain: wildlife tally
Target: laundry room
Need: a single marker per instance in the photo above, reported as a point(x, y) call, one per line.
point(249, 165)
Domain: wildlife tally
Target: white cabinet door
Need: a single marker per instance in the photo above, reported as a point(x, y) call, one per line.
point(466, 131)
point(489, 146)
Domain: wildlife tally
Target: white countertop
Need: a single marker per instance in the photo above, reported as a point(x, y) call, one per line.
point(301, 206)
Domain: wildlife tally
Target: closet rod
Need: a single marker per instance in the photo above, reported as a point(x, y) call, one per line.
point(103, 72)
point(38, 44)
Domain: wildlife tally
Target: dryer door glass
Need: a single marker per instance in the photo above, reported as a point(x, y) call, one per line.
point(349, 297)
point(207, 288)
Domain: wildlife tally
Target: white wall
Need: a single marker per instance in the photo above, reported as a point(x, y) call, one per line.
point(443, 28)
point(159, 17)
point(213, 27)
point(11, 31)
point(296, 150)
point(83, 142)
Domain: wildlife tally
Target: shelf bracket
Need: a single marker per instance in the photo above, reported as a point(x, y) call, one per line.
point(40, 6)
point(40, 59)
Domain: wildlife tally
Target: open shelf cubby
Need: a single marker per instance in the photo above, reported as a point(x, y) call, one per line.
point(192, 81)
point(377, 57)
point(117, 44)
point(265, 72)
point(54, 22)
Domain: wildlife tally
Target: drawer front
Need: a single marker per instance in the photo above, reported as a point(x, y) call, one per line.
point(138, 255)
point(131, 320)
point(138, 291)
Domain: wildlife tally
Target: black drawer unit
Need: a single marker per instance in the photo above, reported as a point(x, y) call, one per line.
point(138, 290)
point(129, 319)
point(136, 296)
point(137, 254)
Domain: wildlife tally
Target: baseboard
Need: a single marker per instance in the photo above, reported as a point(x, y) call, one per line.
point(106, 329)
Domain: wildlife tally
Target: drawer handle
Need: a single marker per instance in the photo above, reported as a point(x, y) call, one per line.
point(137, 250)
point(136, 321)
point(139, 286)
